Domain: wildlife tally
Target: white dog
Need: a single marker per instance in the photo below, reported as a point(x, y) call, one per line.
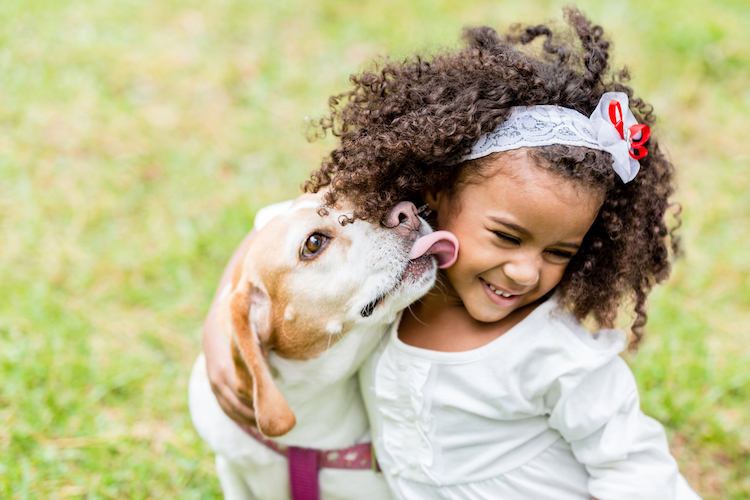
point(309, 303)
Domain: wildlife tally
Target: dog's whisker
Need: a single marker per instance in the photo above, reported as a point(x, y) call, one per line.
point(283, 331)
point(415, 316)
point(440, 286)
point(328, 347)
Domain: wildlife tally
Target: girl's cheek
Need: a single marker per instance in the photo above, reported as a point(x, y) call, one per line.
point(555, 276)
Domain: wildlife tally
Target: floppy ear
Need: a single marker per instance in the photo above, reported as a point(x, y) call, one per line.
point(244, 378)
point(250, 310)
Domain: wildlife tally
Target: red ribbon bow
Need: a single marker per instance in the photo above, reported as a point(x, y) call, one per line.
point(638, 134)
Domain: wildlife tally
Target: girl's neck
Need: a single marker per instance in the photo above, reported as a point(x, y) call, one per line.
point(440, 322)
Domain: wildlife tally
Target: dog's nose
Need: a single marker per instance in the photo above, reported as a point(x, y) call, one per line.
point(404, 213)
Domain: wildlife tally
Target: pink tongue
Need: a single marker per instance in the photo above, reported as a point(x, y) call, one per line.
point(441, 244)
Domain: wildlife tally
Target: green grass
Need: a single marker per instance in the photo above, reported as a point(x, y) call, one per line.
point(137, 140)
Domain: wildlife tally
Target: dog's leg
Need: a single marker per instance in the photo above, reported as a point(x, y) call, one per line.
point(232, 483)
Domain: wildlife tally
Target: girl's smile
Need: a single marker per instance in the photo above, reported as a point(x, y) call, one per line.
point(500, 297)
point(518, 228)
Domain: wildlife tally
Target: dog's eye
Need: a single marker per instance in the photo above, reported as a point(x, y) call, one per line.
point(313, 245)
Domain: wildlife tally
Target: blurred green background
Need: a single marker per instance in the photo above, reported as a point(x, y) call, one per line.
point(138, 139)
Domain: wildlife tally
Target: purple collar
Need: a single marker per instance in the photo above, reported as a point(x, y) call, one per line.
point(305, 462)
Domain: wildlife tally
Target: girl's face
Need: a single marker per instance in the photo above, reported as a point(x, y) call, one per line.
point(518, 229)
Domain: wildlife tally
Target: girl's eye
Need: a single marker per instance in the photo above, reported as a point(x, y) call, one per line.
point(560, 255)
point(313, 245)
point(508, 238)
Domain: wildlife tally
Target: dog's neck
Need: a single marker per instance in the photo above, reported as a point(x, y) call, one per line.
point(324, 393)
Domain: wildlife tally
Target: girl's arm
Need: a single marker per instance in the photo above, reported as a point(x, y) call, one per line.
point(625, 452)
point(219, 364)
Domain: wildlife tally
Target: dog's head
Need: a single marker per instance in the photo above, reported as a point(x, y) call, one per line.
point(308, 278)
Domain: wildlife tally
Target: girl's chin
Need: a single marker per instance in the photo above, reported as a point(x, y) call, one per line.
point(488, 316)
point(506, 317)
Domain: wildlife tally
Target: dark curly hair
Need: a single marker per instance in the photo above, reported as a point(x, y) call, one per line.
point(404, 126)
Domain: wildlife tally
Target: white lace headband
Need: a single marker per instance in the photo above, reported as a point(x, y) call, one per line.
point(607, 129)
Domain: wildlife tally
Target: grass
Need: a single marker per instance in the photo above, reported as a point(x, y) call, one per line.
point(137, 140)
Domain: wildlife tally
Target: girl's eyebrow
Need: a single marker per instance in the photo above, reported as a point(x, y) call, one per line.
point(510, 225)
point(524, 232)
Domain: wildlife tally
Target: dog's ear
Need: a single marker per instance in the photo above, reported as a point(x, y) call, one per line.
point(244, 378)
point(251, 311)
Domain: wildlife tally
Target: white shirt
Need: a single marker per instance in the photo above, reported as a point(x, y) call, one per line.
point(547, 410)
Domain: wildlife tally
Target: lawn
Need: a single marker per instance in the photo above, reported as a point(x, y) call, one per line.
point(138, 139)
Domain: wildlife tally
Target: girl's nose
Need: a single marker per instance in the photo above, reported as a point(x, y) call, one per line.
point(403, 213)
point(524, 270)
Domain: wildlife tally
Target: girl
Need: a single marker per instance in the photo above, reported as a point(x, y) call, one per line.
point(540, 162)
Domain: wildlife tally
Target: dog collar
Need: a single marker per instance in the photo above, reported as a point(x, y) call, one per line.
point(304, 463)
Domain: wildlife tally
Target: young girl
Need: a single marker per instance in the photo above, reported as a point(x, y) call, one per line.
point(540, 162)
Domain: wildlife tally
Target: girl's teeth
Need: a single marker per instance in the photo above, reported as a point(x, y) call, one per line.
point(498, 292)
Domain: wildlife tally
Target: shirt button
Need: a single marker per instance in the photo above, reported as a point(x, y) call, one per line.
point(412, 462)
point(394, 471)
point(402, 366)
point(409, 414)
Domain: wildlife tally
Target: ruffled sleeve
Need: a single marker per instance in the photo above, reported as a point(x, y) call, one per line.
point(625, 452)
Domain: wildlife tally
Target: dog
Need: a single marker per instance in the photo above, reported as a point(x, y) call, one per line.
point(309, 302)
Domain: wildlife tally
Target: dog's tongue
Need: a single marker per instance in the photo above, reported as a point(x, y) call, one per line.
point(441, 244)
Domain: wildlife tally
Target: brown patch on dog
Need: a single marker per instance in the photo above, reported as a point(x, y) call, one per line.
point(305, 339)
point(237, 276)
point(343, 242)
point(307, 335)
point(244, 377)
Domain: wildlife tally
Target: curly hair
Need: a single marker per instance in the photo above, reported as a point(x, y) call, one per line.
point(404, 126)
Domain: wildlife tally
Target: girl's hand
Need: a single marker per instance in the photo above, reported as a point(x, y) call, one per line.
point(216, 348)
